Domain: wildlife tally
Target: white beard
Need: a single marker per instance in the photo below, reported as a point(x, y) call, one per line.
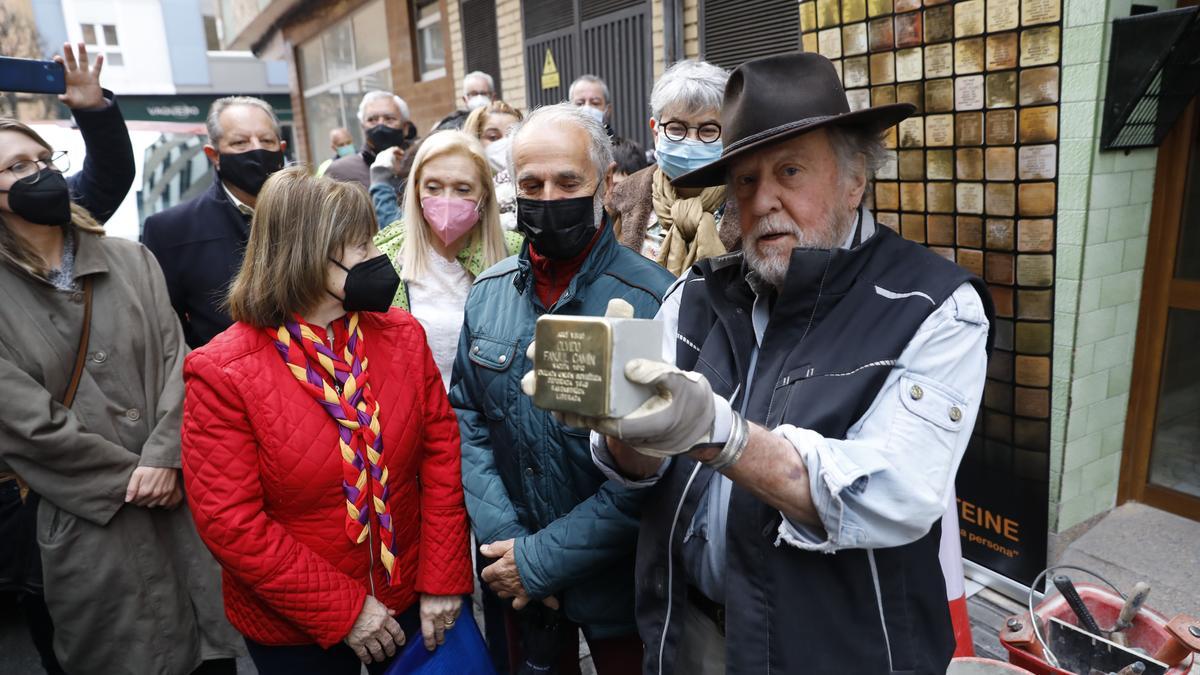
point(773, 267)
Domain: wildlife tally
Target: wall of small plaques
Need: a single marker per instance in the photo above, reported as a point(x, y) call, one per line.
point(973, 175)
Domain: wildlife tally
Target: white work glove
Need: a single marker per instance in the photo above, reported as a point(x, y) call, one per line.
point(387, 158)
point(671, 422)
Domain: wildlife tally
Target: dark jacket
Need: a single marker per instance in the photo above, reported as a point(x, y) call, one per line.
point(527, 476)
point(199, 245)
point(108, 167)
point(353, 168)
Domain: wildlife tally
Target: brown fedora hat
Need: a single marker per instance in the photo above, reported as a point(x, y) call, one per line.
point(778, 97)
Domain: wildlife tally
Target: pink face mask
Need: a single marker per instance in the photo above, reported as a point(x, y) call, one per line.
point(450, 217)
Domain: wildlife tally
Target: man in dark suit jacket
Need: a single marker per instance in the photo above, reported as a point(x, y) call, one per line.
point(200, 243)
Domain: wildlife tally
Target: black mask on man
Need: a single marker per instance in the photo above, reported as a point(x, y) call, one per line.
point(370, 285)
point(45, 202)
point(558, 229)
point(249, 170)
point(381, 137)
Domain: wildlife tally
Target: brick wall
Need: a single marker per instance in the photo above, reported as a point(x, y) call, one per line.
point(691, 28)
point(454, 24)
point(1103, 220)
point(512, 51)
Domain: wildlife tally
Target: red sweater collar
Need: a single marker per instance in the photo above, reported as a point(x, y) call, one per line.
point(551, 277)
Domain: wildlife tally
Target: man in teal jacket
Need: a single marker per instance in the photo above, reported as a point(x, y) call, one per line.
point(554, 531)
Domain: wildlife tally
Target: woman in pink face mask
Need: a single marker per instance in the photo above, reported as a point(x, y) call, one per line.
point(450, 233)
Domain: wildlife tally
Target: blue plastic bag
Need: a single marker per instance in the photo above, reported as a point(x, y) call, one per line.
point(463, 653)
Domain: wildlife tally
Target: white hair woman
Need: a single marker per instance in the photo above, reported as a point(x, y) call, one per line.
point(450, 233)
point(677, 227)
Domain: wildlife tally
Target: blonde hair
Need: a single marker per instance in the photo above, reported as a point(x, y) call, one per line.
point(416, 229)
point(16, 251)
point(300, 223)
point(477, 120)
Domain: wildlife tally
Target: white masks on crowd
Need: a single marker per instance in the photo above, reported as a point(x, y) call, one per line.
point(477, 101)
point(596, 113)
point(497, 154)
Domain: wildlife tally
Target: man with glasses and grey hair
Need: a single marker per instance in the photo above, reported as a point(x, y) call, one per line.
point(678, 227)
point(199, 243)
point(555, 533)
point(478, 90)
point(385, 125)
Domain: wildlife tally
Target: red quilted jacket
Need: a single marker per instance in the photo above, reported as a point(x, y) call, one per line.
point(263, 477)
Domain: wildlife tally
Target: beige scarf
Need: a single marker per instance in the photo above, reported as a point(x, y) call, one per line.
point(691, 229)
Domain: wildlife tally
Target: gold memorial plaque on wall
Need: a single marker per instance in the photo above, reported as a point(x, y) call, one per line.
point(1039, 125)
point(887, 196)
point(883, 69)
point(889, 220)
point(1000, 163)
point(912, 196)
point(970, 163)
point(854, 10)
point(854, 39)
point(1002, 51)
point(939, 61)
point(906, 5)
point(970, 231)
point(912, 226)
point(808, 16)
point(1001, 89)
point(998, 268)
point(909, 65)
point(858, 99)
point(883, 95)
point(1031, 371)
point(939, 164)
point(827, 13)
point(968, 92)
point(1035, 199)
point(968, 18)
point(939, 24)
point(1034, 12)
point(1037, 162)
point(908, 30)
point(911, 92)
point(808, 42)
point(1035, 270)
point(939, 131)
point(1001, 127)
point(972, 261)
point(880, 34)
point(968, 128)
point(969, 197)
point(999, 233)
point(968, 56)
point(856, 72)
point(1039, 46)
point(939, 197)
point(1003, 15)
point(939, 95)
point(890, 168)
point(1000, 199)
point(1039, 85)
point(829, 43)
point(1035, 235)
point(939, 229)
point(911, 164)
point(912, 132)
point(879, 7)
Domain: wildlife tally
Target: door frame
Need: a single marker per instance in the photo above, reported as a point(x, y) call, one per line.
point(1161, 291)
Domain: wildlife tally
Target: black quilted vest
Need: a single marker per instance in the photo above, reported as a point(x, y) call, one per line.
point(833, 336)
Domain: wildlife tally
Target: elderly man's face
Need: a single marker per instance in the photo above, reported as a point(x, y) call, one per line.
point(589, 94)
point(338, 138)
point(476, 86)
point(793, 194)
point(552, 162)
point(382, 111)
point(245, 128)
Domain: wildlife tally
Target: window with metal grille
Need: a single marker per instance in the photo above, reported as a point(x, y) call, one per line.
point(481, 50)
point(735, 31)
point(546, 16)
point(590, 9)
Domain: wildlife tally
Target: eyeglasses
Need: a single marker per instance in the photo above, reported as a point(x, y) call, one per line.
point(709, 132)
point(28, 171)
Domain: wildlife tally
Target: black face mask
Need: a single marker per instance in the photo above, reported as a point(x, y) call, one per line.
point(381, 137)
point(249, 170)
point(370, 285)
point(558, 229)
point(45, 202)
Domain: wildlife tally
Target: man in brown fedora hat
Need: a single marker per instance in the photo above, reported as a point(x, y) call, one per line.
point(818, 392)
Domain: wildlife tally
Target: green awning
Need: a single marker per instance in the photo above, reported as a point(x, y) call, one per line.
point(191, 108)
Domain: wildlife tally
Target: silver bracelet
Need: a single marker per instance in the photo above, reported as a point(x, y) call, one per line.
point(739, 438)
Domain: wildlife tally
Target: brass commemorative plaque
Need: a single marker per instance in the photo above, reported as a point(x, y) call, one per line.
point(999, 233)
point(889, 220)
point(939, 95)
point(912, 196)
point(854, 39)
point(856, 72)
point(907, 5)
point(909, 66)
point(1034, 12)
point(939, 229)
point(887, 196)
point(883, 95)
point(969, 162)
point(969, 197)
point(1039, 85)
point(908, 29)
point(580, 363)
point(1039, 46)
point(1035, 199)
point(939, 131)
point(970, 231)
point(808, 42)
point(1035, 305)
point(968, 56)
point(1037, 162)
point(1039, 125)
point(968, 18)
point(1001, 89)
point(1035, 235)
point(883, 68)
point(939, 61)
point(998, 268)
point(968, 128)
point(1000, 163)
point(940, 197)
point(1035, 270)
point(971, 261)
point(859, 99)
point(939, 164)
point(1003, 15)
point(890, 169)
point(1001, 127)
point(808, 16)
point(968, 92)
point(879, 7)
point(1033, 371)
point(912, 133)
point(1000, 199)
point(912, 164)
point(911, 92)
point(854, 10)
point(889, 137)
point(880, 34)
point(829, 43)
point(912, 226)
point(939, 24)
point(1002, 51)
point(827, 13)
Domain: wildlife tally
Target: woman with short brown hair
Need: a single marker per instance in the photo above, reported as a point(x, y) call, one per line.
point(306, 426)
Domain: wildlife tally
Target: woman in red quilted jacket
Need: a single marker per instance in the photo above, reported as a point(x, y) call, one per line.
point(321, 458)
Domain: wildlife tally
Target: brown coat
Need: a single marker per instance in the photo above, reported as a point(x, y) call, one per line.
point(131, 590)
point(631, 203)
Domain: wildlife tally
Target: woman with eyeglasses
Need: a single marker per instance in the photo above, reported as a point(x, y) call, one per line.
point(91, 358)
point(678, 226)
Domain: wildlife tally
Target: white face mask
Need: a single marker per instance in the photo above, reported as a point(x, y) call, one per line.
point(497, 154)
point(596, 113)
point(477, 101)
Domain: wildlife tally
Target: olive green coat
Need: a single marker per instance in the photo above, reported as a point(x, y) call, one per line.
point(131, 590)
